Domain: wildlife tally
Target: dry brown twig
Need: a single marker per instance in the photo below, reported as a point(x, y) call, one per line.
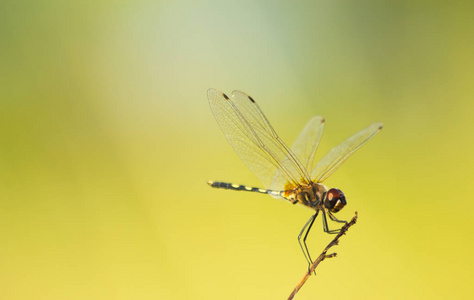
point(323, 255)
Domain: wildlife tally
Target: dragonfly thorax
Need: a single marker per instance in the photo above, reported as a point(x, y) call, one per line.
point(311, 195)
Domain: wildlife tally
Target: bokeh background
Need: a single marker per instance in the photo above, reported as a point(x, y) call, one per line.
point(107, 141)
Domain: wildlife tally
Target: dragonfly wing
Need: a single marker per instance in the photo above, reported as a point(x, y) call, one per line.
point(289, 167)
point(250, 139)
point(334, 159)
point(307, 142)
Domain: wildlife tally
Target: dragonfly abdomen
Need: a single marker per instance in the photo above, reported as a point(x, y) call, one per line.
point(239, 187)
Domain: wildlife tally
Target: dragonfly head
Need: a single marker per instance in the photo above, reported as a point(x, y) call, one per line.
point(335, 200)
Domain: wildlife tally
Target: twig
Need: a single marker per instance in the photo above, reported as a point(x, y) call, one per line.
point(323, 256)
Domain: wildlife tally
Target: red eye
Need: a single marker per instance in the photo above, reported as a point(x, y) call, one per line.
point(335, 200)
point(335, 194)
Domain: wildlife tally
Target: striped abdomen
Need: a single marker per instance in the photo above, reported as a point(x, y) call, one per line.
point(237, 187)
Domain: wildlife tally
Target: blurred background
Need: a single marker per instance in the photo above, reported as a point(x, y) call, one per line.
point(107, 142)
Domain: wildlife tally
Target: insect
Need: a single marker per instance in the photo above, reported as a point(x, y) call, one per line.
point(286, 173)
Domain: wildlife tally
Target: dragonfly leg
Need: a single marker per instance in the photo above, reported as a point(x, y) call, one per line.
point(325, 225)
point(305, 248)
point(333, 218)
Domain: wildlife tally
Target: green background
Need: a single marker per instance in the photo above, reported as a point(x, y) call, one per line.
point(107, 141)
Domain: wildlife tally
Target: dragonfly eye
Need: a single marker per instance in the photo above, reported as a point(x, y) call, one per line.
point(335, 200)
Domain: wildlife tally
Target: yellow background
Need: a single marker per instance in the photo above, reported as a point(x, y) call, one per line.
point(107, 141)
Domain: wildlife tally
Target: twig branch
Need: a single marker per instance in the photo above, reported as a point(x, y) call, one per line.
point(323, 255)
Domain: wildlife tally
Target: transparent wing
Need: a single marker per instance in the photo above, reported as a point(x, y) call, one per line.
point(304, 147)
point(249, 134)
point(334, 159)
point(307, 142)
point(288, 164)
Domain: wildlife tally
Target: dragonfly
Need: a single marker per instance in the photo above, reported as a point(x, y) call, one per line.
point(286, 173)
